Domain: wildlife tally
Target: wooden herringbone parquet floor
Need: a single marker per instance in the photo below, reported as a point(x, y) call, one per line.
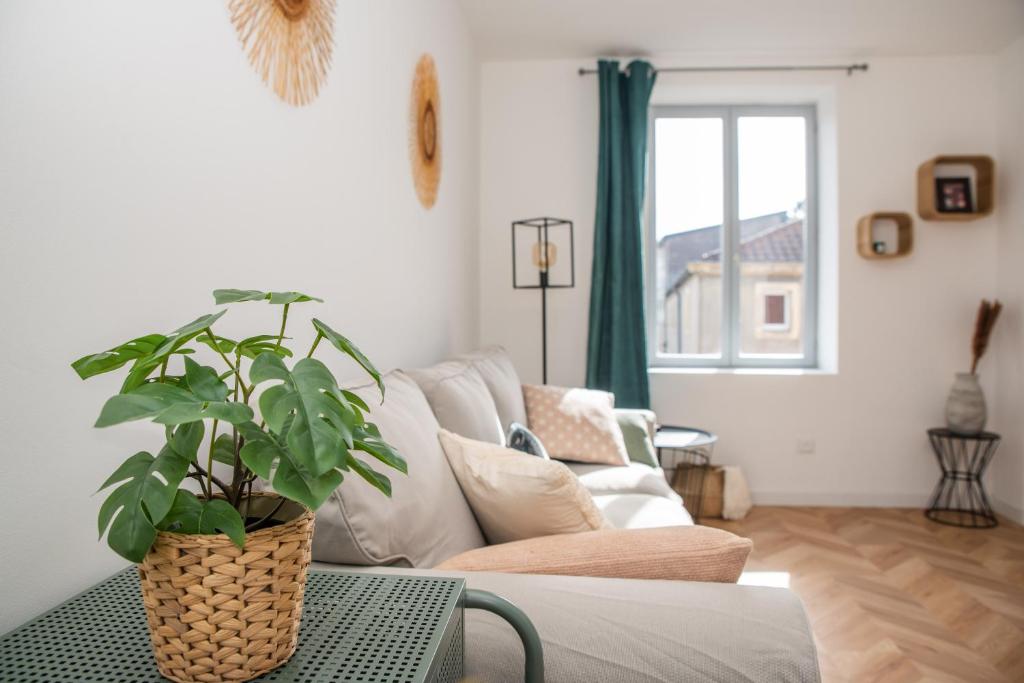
point(893, 597)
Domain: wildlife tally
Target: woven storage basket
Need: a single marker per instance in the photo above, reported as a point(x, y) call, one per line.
point(220, 613)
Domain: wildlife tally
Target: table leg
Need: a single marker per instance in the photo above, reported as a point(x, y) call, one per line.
point(532, 646)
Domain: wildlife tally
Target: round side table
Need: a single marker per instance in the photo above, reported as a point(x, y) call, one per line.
point(684, 453)
point(959, 498)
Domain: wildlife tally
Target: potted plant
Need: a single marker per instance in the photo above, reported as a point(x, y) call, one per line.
point(966, 411)
point(223, 568)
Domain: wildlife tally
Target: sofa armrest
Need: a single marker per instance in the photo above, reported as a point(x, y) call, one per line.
point(690, 553)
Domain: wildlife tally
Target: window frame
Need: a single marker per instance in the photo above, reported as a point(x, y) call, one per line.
point(730, 356)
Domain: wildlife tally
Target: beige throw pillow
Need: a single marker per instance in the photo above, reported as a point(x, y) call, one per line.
point(516, 496)
point(576, 424)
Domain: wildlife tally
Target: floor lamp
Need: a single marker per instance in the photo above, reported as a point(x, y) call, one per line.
point(538, 264)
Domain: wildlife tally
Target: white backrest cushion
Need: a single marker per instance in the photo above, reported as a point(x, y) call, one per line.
point(461, 401)
point(499, 374)
point(426, 520)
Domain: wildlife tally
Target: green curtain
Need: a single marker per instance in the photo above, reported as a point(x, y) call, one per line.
point(617, 341)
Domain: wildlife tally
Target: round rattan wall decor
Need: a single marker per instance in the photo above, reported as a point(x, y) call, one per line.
point(425, 131)
point(289, 43)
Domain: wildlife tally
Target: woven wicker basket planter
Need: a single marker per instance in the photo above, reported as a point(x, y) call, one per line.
point(220, 613)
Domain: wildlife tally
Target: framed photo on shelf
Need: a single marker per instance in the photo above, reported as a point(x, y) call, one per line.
point(953, 195)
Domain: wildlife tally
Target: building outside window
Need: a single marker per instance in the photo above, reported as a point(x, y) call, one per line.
point(731, 276)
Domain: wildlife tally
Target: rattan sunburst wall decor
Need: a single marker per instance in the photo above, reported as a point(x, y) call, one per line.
point(289, 43)
point(425, 131)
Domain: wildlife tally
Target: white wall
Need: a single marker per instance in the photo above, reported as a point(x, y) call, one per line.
point(1008, 465)
point(903, 326)
point(142, 164)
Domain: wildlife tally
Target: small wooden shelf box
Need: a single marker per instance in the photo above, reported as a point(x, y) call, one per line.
point(866, 234)
point(983, 187)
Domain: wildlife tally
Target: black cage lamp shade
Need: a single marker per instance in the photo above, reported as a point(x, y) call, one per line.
point(543, 254)
point(543, 257)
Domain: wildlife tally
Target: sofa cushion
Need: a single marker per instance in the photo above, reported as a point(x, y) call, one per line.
point(426, 520)
point(638, 431)
point(499, 374)
point(633, 478)
point(575, 424)
point(515, 495)
point(461, 400)
point(641, 511)
point(628, 630)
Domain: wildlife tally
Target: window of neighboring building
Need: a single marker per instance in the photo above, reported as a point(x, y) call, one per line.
point(731, 277)
point(776, 312)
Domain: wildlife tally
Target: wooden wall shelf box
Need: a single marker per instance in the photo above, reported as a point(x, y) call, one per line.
point(983, 188)
point(904, 234)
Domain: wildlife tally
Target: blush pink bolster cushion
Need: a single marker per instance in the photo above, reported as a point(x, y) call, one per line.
point(684, 553)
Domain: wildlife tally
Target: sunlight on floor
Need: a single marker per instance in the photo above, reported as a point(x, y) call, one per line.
point(771, 579)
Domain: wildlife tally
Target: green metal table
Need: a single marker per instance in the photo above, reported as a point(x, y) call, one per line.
point(356, 627)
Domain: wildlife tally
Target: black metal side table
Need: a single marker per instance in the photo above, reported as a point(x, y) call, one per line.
point(684, 453)
point(959, 498)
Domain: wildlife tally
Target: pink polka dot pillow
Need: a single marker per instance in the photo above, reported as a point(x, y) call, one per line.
point(576, 424)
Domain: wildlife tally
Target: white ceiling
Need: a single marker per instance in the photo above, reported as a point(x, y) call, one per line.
point(544, 29)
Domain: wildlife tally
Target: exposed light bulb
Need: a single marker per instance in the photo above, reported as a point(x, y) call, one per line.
point(544, 259)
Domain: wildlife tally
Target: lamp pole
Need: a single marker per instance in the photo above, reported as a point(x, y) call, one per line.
point(544, 325)
point(544, 256)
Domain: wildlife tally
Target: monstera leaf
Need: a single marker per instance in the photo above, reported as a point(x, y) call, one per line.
point(201, 395)
point(224, 449)
point(231, 296)
point(190, 515)
point(133, 509)
point(372, 476)
point(250, 347)
point(106, 361)
point(271, 459)
point(144, 366)
point(348, 348)
point(369, 441)
point(322, 419)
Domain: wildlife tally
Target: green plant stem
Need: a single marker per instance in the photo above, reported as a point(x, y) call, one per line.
point(202, 483)
point(234, 368)
point(284, 321)
point(163, 369)
point(247, 485)
point(316, 343)
point(209, 457)
point(201, 475)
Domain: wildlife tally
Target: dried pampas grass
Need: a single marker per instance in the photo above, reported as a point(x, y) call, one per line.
point(988, 313)
point(289, 43)
point(425, 131)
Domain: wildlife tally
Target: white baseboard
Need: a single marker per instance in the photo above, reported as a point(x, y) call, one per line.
point(806, 498)
point(1009, 511)
point(867, 500)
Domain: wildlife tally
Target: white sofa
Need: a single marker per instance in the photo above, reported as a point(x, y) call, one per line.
point(594, 630)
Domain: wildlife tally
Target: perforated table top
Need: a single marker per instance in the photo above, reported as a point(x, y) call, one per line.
point(358, 628)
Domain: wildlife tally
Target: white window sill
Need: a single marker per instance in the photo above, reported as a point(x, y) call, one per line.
point(776, 372)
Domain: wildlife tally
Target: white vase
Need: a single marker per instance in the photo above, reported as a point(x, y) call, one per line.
point(966, 412)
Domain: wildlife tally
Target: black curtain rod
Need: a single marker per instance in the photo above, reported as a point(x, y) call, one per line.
point(848, 68)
